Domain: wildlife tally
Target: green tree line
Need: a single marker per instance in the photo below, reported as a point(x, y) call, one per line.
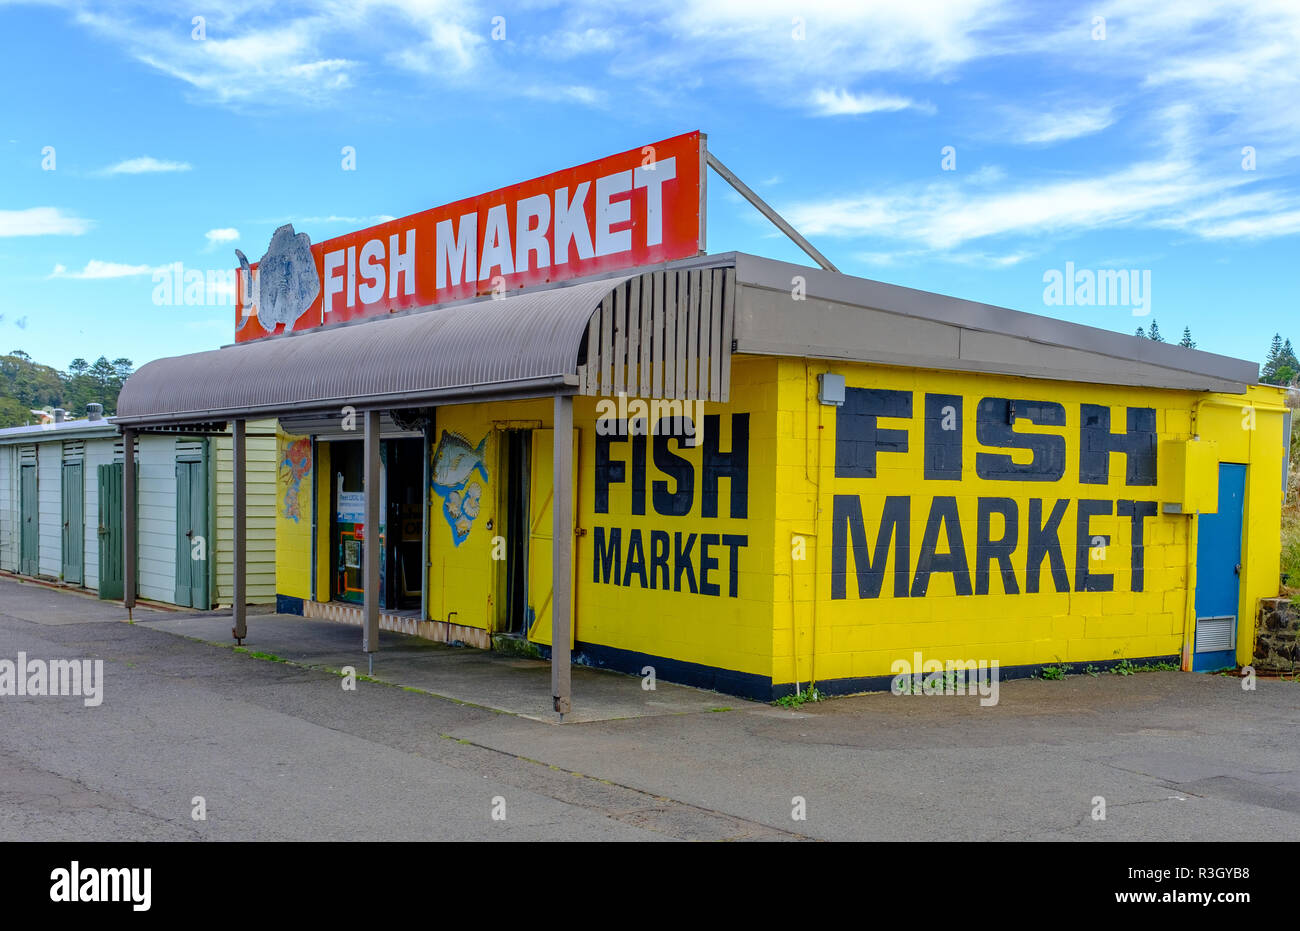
point(1154, 334)
point(26, 386)
point(1280, 365)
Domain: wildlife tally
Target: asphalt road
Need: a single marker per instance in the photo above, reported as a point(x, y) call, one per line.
point(278, 751)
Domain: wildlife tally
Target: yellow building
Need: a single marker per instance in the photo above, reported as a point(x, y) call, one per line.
point(770, 476)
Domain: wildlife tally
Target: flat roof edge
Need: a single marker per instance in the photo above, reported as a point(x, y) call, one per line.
point(898, 360)
point(33, 432)
point(771, 274)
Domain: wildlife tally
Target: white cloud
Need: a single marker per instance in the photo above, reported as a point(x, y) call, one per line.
point(1249, 226)
point(145, 165)
point(95, 270)
point(575, 93)
point(308, 54)
point(945, 215)
point(41, 221)
point(571, 43)
point(844, 38)
point(218, 236)
point(448, 47)
point(257, 66)
point(1042, 128)
point(841, 102)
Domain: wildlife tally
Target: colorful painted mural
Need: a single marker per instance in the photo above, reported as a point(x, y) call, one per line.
point(454, 463)
point(295, 463)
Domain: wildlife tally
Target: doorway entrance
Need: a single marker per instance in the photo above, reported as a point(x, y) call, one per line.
point(191, 534)
point(74, 527)
point(401, 522)
point(403, 574)
point(28, 556)
point(1218, 574)
point(515, 454)
point(527, 582)
point(111, 584)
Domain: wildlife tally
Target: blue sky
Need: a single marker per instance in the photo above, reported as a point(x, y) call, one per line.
point(1115, 152)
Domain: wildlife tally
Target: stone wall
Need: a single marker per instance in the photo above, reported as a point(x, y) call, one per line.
point(1277, 641)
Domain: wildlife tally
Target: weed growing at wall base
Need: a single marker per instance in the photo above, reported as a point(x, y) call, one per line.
point(946, 677)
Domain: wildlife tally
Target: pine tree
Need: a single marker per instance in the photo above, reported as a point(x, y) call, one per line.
point(1155, 333)
point(1287, 356)
point(1288, 367)
point(103, 373)
point(1141, 332)
point(1187, 342)
point(1269, 372)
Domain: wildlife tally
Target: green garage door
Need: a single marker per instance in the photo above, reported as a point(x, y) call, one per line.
point(27, 552)
point(74, 526)
point(111, 584)
point(191, 535)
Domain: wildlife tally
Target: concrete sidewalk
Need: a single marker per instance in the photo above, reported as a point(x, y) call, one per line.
point(47, 603)
point(487, 679)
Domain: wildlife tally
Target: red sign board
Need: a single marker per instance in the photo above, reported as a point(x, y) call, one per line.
point(636, 208)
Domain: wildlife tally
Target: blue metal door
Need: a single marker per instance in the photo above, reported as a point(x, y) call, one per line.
point(1218, 574)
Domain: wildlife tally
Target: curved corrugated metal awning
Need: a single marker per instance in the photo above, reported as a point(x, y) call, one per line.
point(524, 344)
point(597, 337)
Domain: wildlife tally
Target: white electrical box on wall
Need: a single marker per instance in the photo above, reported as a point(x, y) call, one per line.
point(830, 389)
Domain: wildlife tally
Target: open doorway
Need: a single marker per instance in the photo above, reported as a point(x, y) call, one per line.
point(403, 574)
point(401, 522)
point(515, 448)
point(347, 521)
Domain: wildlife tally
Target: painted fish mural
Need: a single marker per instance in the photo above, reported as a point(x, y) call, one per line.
point(297, 462)
point(454, 463)
point(286, 282)
point(455, 459)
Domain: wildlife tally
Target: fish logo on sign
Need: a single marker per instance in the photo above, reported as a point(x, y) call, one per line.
point(454, 462)
point(286, 282)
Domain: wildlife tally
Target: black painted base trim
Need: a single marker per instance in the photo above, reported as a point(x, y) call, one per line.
point(288, 604)
point(761, 688)
point(851, 686)
point(741, 684)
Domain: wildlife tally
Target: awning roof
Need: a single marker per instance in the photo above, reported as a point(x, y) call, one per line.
point(527, 344)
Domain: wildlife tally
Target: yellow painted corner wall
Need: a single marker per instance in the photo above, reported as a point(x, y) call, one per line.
point(718, 630)
point(294, 503)
point(819, 636)
point(723, 630)
point(1250, 430)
